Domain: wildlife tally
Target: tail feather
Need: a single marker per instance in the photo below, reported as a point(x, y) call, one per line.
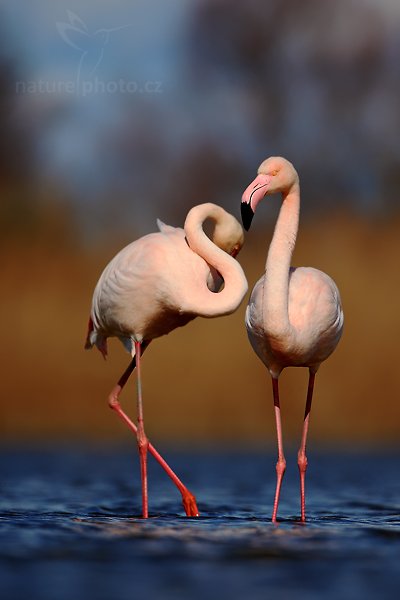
point(89, 342)
point(94, 338)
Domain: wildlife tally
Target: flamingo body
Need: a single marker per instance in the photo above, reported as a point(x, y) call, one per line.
point(141, 293)
point(157, 283)
point(315, 316)
point(294, 316)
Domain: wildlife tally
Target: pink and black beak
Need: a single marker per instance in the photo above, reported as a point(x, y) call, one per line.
point(251, 197)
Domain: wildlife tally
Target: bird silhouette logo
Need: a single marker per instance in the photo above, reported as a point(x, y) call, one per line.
point(91, 45)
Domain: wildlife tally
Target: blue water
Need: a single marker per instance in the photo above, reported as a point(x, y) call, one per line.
point(70, 527)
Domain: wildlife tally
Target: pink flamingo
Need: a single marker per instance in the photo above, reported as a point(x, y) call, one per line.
point(294, 316)
point(160, 282)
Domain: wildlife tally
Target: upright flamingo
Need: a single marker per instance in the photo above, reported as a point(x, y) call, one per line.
point(294, 316)
point(157, 283)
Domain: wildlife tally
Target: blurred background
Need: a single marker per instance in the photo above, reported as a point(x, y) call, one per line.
point(115, 113)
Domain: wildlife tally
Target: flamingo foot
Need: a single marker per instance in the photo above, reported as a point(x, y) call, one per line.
point(189, 504)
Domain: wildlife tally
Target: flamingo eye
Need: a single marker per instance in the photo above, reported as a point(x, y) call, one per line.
point(274, 173)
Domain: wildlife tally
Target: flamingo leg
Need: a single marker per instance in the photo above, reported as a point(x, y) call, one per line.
point(301, 456)
point(281, 464)
point(188, 499)
point(143, 442)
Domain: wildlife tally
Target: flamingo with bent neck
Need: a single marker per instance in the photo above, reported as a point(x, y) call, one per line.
point(157, 283)
point(294, 316)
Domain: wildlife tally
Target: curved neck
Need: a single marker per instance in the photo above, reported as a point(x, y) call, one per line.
point(276, 314)
point(204, 302)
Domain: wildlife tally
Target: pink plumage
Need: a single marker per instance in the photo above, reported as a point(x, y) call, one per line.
point(157, 283)
point(294, 316)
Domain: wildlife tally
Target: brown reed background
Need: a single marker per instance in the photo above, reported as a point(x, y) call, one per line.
point(202, 383)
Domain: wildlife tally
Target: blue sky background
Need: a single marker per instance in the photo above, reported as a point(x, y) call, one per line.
point(194, 95)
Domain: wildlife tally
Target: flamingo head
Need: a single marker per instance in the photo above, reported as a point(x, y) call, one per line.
point(275, 174)
point(228, 235)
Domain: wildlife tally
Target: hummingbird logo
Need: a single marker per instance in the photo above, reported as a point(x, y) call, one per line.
point(90, 44)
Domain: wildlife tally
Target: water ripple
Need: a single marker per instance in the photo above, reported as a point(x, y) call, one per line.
point(74, 518)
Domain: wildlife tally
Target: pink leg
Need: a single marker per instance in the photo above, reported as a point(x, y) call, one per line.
point(188, 499)
point(301, 456)
point(281, 464)
point(143, 442)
